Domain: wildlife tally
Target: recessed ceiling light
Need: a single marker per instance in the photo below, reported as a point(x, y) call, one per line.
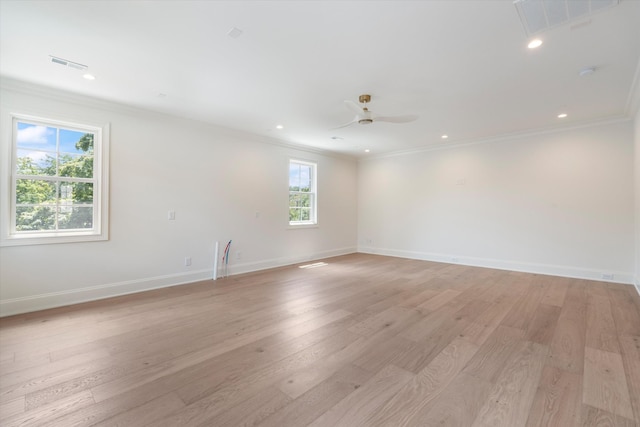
point(279, 127)
point(367, 150)
point(562, 115)
point(337, 138)
point(534, 43)
point(89, 76)
point(445, 136)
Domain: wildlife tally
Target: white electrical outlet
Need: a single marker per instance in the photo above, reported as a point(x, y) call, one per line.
point(171, 215)
point(238, 254)
point(606, 276)
point(187, 261)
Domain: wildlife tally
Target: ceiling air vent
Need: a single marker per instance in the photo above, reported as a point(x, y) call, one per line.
point(540, 15)
point(67, 63)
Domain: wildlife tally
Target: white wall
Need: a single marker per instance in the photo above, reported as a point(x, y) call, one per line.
point(214, 179)
point(556, 203)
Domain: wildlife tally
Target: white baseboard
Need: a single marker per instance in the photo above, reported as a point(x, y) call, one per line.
point(636, 283)
point(552, 270)
point(9, 307)
point(249, 267)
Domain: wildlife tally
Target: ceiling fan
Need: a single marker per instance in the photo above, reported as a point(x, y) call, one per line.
point(366, 117)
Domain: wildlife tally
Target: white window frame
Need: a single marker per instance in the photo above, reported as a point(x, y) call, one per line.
point(9, 235)
point(313, 221)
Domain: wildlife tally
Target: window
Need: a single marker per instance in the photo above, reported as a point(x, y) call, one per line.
point(58, 190)
point(302, 193)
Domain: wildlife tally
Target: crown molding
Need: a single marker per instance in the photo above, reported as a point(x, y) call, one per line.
point(501, 138)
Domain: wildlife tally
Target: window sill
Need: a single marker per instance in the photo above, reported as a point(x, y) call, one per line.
point(51, 239)
point(301, 226)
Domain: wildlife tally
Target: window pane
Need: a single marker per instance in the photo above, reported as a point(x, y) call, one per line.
point(33, 191)
point(305, 214)
point(32, 162)
point(76, 142)
point(77, 217)
point(305, 178)
point(74, 193)
point(294, 214)
point(76, 166)
point(35, 218)
point(294, 177)
point(294, 200)
point(305, 200)
point(36, 137)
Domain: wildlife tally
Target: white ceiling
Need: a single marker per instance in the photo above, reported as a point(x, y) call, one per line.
point(462, 66)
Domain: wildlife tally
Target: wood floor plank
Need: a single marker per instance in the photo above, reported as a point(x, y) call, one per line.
point(381, 320)
point(432, 304)
point(601, 328)
point(425, 386)
point(594, 417)
point(304, 379)
point(146, 414)
point(490, 359)
point(625, 312)
point(524, 310)
point(457, 406)
point(484, 325)
point(318, 400)
point(47, 414)
point(543, 324)
point(555, 291)
point(558, 400)
point(357, 406)
point(10, 408)
point(251, 412)
point(390, 350)
point(630, 347)
point(510, 400)
point(420, 355)
point(605, 384)
point(568, 342)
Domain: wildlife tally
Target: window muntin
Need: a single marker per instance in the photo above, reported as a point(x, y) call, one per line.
point(58, 183)
point(302, 193)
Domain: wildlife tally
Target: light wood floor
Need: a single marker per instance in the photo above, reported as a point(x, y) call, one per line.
point(362, 341)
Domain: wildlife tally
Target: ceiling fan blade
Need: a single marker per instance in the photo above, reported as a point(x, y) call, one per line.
point(354, 107)
point(396, 119)
point(355, 120)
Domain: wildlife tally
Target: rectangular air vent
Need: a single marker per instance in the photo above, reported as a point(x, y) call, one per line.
point(540, 15)
point(67, 63)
